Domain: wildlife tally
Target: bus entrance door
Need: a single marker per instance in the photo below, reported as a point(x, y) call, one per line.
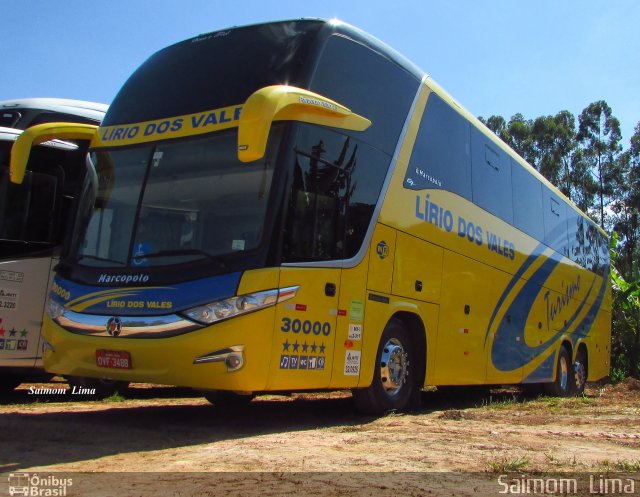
point(304, 334)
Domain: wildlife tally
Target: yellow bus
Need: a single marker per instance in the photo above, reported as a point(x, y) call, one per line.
point(293, 206)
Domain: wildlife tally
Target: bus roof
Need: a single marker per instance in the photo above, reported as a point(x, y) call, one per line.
point(83, 108)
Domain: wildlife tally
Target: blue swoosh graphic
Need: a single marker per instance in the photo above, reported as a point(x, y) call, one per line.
point(516, 277)
point(510, 351)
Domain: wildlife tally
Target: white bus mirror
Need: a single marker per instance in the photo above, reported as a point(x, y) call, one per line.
point(39, 134)
point(288, 103)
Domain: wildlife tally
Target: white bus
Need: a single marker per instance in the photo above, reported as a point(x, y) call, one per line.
point(35, 220)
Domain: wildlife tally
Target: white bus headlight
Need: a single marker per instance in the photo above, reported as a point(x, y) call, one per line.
point(242, 304)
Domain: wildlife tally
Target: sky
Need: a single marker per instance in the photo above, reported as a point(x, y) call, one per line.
point(535, 57)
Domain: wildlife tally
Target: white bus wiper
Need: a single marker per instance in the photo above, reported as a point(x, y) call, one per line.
point(96, 258)
point(181, 252)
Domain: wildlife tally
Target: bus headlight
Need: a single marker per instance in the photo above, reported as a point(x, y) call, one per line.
point(242, 304)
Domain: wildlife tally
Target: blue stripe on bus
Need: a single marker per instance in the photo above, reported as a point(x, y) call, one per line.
point(144, 301)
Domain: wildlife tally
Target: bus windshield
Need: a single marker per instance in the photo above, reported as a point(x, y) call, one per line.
point(176, 203)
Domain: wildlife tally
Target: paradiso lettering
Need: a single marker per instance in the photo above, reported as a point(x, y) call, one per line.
point(446, 220)
point(557, 305)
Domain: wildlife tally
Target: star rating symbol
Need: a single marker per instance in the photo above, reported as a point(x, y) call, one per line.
point(305, 347)
point(285, 345)
point(2, 330)
point(12, 332)
point(296, 346)
point(23, 333)
point(322, 347)
point(314, 348)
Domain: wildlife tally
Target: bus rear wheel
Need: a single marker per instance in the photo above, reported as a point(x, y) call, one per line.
point(581, 372)
point(394, 380)
point(563, 385)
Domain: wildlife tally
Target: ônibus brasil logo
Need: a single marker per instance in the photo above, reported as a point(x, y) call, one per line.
point(34, 485)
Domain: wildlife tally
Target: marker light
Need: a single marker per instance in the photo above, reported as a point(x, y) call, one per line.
point(242, 304)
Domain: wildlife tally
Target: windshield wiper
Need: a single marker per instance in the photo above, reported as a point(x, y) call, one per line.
point(181, 252)
point(95, 258)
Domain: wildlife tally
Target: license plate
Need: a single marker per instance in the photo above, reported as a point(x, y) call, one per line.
point(114, 359)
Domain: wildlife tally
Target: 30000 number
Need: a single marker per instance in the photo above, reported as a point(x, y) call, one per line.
point(306, 327)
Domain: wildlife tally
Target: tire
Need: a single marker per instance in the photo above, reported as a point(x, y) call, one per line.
point(563, 385)
point(102, 387)
point(581, 372)
point(394, 385)
point(228, 400)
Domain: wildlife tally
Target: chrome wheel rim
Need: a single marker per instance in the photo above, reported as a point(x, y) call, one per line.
point(394, 367)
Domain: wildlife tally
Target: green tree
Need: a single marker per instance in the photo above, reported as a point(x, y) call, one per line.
point(599, 137)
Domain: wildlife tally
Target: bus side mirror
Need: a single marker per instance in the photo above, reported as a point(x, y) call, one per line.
point(288, 103)
point(39, 134)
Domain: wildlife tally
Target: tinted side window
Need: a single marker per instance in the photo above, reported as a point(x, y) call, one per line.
point(370, 85)
point(591, 255)
point(491, 176)
point(336, 184)
point(575, 225)
point(527, 202)
point(441, 155)
point(555, 222)
point(28, 210)
point(8, 118)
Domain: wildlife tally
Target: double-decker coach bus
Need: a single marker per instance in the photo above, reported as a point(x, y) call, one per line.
point(35, 219)
point(293, 205)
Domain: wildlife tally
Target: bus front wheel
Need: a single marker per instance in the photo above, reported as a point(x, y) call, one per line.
point(581, 371)
point(394, 379)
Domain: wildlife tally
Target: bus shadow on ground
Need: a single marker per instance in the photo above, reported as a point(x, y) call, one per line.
point(73, 432)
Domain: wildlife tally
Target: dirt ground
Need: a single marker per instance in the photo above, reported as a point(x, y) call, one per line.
point(315, 444)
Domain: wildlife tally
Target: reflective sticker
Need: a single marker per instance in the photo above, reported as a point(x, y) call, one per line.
point(352, 363)
point(356, 310)
point(237, 245)
point(355, 331)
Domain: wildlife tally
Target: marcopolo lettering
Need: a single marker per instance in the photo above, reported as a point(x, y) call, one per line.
point(123, 278)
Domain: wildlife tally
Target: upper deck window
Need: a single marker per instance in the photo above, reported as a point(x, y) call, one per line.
point(441, 157)
point(370, 85)
point(215, 70)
